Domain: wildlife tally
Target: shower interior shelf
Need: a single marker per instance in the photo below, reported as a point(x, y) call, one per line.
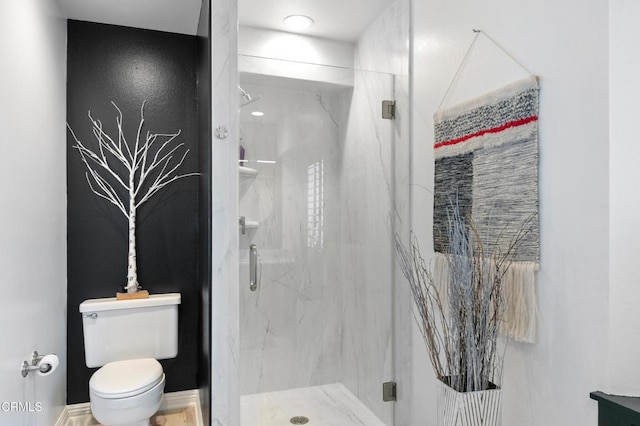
point(250, 224)
point(247, 171)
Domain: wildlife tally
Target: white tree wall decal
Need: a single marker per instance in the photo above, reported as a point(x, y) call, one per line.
point(128, 176)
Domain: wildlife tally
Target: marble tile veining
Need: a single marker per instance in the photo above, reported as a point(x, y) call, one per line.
point(328, 405)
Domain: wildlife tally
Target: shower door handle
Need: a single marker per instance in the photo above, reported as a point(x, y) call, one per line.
point(253, 267)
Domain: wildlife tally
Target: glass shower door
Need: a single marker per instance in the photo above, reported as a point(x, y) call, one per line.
point(316, 188)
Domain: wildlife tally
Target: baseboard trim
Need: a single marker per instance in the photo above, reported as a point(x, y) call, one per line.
point(170, 401)
point(71, 411)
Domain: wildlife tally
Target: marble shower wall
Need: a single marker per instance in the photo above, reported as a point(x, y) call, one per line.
point(225, 334)
point(376, 200)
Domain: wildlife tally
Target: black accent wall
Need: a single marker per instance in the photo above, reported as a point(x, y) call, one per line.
point(204, 215)
point(110, 63)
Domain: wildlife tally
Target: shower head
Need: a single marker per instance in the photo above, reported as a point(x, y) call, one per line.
point(247, 99)
point(250, 101)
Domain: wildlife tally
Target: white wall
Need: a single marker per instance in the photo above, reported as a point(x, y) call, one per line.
point(566, 44)
point(33, 249)
point(624, 236)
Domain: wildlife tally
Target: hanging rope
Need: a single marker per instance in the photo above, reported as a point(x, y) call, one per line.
point(503, 49)
point(466, 58)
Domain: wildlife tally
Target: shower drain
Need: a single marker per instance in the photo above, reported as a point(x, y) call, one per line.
point(299, 420)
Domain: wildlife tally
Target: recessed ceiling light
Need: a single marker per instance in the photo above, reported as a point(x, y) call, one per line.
point(298, 22)
point(257, 113)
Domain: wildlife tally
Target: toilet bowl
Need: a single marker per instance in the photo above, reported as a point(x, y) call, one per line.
point(127, 393)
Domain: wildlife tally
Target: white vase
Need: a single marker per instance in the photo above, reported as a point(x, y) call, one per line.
point(480, 408)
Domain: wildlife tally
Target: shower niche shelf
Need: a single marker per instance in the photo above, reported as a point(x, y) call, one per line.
point(250, 224)
point(247, 171)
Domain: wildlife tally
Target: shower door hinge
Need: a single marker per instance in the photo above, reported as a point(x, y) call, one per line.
point(389, 391)
point(388, 109)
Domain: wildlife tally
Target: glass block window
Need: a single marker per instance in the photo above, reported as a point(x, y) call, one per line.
point(315, 205)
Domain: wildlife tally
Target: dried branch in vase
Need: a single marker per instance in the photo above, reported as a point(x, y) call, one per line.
point(461, 322)
point(143, 170)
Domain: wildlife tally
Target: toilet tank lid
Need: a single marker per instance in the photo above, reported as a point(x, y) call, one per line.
point(111, 303)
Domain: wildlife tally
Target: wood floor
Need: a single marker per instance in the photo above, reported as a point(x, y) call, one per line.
point(175, 417)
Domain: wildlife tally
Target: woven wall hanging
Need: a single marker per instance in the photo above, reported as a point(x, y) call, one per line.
point(486, 161)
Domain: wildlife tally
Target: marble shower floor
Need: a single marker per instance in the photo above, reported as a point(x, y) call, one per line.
point(328, 405)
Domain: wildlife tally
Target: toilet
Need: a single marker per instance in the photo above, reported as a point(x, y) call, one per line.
point(126, 338)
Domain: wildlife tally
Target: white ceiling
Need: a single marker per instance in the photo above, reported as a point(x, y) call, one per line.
point(174, 16)
point(341, 20)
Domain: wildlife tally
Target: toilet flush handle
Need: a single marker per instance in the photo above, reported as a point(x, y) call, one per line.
point(92, 315)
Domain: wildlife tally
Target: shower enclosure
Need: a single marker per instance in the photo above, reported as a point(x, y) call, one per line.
point(323, 184)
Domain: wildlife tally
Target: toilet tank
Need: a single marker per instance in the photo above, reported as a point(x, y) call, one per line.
point(116, 330)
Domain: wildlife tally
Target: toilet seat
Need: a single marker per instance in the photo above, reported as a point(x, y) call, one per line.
point(124, 379)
